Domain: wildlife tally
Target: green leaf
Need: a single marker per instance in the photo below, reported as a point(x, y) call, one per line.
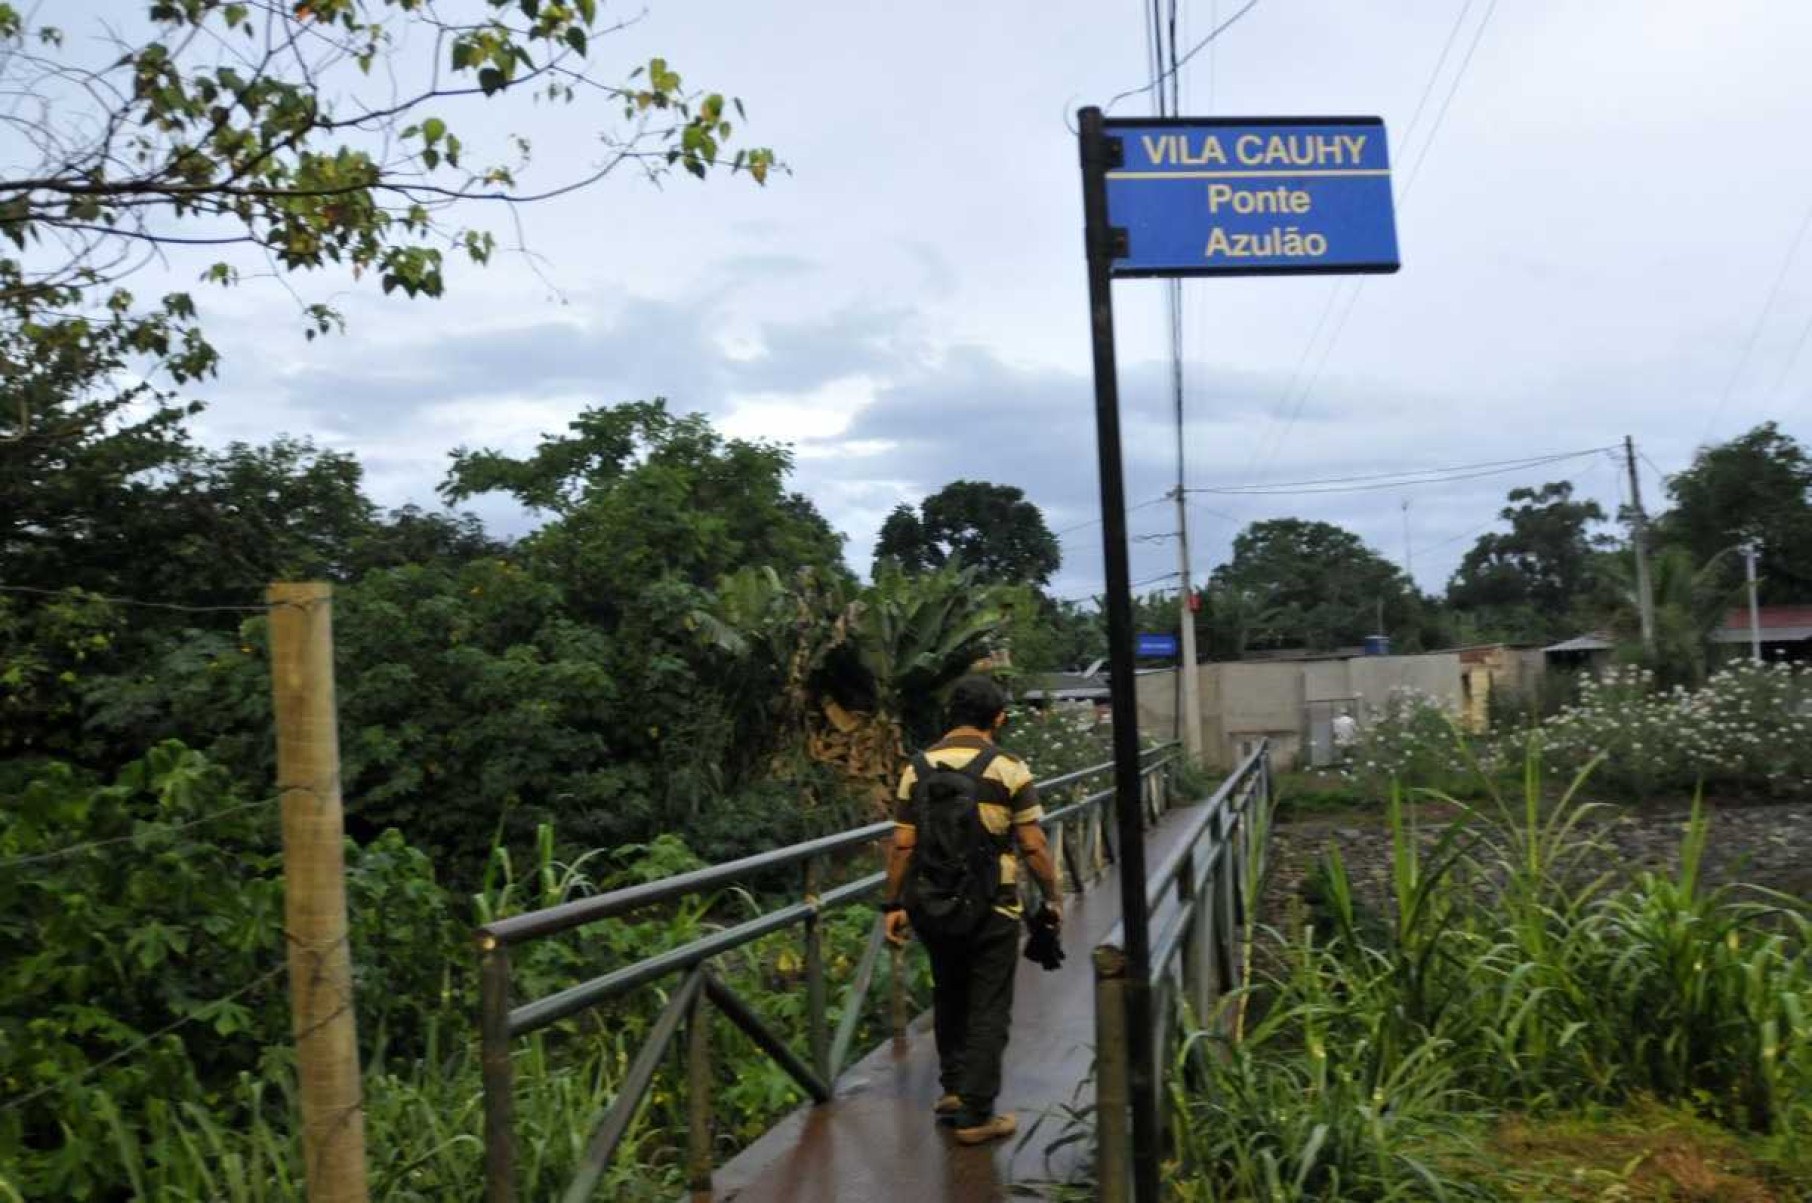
point(433, 130)
point(575, 37)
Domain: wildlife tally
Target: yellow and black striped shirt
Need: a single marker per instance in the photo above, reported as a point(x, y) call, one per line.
point(1008, 799)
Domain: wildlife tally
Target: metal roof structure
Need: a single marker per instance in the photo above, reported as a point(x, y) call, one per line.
point(1779, 624)
point(1582, 643)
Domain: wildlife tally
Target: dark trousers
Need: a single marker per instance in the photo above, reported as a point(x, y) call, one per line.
point(972, 1007)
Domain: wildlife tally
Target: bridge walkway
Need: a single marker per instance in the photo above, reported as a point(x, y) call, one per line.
point(876, 1140)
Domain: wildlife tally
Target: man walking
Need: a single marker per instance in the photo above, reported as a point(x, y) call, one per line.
point(966, 814)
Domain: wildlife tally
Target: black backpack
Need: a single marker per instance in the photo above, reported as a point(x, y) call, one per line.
point(954, 874)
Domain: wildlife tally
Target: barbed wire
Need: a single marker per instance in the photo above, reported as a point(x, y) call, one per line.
point(157, 829)
point(144, 1042)
point(77, 593)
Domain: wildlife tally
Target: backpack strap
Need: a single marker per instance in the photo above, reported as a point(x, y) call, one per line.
point(978, 764)
point(921, 768)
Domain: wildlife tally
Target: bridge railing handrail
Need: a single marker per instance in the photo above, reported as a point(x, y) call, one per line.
point(1205, 819)
point(1206, 872)
point(563, 917)
point(501, 1023)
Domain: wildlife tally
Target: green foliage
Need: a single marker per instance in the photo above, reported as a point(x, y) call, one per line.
point(1691, 601)
point(988, 527)
point(1315, 585)
point(1757, 486)
point(144, 1029)
point(46, 649)
point(639, 495)
point(1748, 729)
point(914, 636)
point(1410, 737)
point(1525, 582)
point(1056, 636)
point(1504, 978)
point(482, 688)
point(213, 123)
point(147, 915)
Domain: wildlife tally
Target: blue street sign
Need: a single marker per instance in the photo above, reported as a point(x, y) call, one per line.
point(1157, 647)
point(1251, 196)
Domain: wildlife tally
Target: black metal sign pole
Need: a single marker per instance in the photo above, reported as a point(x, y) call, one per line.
point(1097, 150)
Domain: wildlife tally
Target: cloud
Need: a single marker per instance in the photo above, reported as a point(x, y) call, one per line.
point(908, 306)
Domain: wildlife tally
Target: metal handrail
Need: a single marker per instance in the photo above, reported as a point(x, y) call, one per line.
point(553, 920)
point(1206, 817)
point(500, 1023)
point(1206, 873)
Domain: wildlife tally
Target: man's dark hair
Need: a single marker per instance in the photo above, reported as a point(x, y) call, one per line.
point(975, 701)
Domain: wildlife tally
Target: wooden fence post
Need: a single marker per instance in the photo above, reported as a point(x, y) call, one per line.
point(314, 892)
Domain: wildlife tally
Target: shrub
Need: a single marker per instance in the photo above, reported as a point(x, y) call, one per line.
point(1748, 728)
point(1411, 737)
point(147, 915)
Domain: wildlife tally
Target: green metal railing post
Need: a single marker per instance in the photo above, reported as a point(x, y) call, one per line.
point(1196, 972)
point(815, 997)
point(1224, 935)
point(855, 1001)
point(896, 983)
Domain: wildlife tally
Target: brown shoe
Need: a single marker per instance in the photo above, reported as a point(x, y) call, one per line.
point(995, 1127)
point(948, 1106)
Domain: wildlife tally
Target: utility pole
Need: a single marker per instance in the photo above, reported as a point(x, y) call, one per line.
point(1645, 595)
point(1192, 694)
point(1409, 563)
point(1755, 612)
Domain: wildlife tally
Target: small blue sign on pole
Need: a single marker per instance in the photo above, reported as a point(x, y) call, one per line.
point(1158, 647)
point(1250, 196)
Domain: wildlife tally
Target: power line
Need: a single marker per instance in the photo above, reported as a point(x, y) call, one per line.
point(1434, 130)
point(1480, 529)
point(1434, 76)
point(1394, 480)
point(1401, 472)
point(1208, 509)
point(1081, 526)
point(1433, 480)
point(1799, 345)
point(1151, 580)
point(1214, 33)
point(1356, 290)
point(1761, 319)
point(1493, 521)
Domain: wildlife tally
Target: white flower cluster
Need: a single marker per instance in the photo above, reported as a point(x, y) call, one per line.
point(1749, 725)
point(1410, 738)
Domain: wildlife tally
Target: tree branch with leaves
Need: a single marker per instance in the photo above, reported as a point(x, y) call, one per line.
point(313, 134)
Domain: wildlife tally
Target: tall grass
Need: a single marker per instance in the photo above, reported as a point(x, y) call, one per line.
point(1509, 974)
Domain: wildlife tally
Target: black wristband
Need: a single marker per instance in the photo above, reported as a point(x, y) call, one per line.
point(888, 908)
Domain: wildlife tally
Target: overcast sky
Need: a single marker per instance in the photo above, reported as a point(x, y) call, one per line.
point(1591, 218)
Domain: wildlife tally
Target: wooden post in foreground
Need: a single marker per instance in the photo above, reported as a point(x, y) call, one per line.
point(314, 892)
